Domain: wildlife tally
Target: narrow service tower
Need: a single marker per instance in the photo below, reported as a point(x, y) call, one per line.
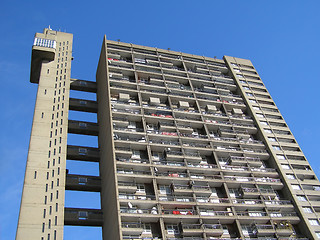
point(42, 205)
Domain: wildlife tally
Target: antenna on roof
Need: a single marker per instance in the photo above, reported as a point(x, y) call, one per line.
point(50, 28)
point(118, 40)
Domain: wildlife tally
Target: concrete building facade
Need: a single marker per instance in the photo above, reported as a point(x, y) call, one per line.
point(190, 147)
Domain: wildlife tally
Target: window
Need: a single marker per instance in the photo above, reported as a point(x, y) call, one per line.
point(83, 215)
point(276, 148)
point(290, 176)
point(281, 157)
point(314, 222)
point(285, 166)
point(271, 139)
point(164, 189)
point(302, 198)
point(172, 229)
point(260, 115)
point(267, 130)
point(307, 209)
point(295, 187)
point(140, 188)
point(264, 123)
point(135, 154)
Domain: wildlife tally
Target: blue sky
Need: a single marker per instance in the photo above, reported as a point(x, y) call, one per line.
point(281, 38)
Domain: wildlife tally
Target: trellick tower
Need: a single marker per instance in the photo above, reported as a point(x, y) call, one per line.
point(190, 147)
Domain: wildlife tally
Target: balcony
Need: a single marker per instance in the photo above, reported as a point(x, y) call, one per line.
point(123, 151)
point(290, 216)
point(131, 228)
point(216, 178)
point(179, 212)
point(178, 198)
point(195, 144)
point(83, 217)
point(83, 153)
point(114, 76)
point(191, 229)
point(135, 210)
point(170, 163)
point(212, 213)
point(84, 128)
point(277, 203)
point(212, 200)
point(127, 187)
point(164, 141)
point(193, 157)
point(129, 138)
point(127, 129)
point(123, 85)
point(132, 172)
point(215, 230)
point(252, 161)
point(181, 189)
point(126, 110)
point(193, 135)
point(171, 174)
point(201, 189)
point(284, 229)
point(249, 192)
point(253, 214)
point(142, 197)
point(173, 155)
point(164, 133)
point(83, 183)
point(246, 202)
point(201, 165)
point(132, 160)
point(159, 114)
point(263, 230)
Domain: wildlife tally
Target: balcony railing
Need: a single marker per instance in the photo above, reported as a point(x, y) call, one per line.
point(282, 214)
point(212, 200)
point(139, 211)
point(132, 160)
point(171, 174)
point(128, 129)
point(136, 196)
point(134, 172)
point(158, 141)
point(169, 163)
point(252, 214)
point(176, 198)
point(179, 211)
point(201, 165)
point(205, 176)
point(128, 138)
point(207, 212)
point(132, 111)
point(193, 135)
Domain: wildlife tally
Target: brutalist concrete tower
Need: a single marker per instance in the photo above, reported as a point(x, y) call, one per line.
point(189, 147)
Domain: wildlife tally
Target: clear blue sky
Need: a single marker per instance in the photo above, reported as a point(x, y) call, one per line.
point(281, 38)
